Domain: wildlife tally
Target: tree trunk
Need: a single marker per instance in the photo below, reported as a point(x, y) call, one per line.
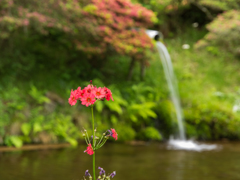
point(130, 71)
point(142, 73)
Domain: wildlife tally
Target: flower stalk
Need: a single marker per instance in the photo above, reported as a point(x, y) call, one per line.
point(88, 97)
point(94, 177)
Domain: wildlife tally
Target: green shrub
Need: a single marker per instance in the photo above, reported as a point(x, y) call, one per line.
point(224, 33)
point(149, 133)
point(125, 132)
point(213, 120)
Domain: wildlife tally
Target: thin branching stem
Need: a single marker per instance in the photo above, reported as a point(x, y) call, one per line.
point(94, 177)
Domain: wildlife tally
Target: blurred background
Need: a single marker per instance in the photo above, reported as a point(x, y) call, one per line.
point(49, 47)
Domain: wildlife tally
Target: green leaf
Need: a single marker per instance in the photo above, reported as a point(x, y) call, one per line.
point(38, 95)
point(37, 127)
point(72, 141)
point(16, 141)
point(26, 128)
point(114, 106)
point(133, 118)
point(151, 113)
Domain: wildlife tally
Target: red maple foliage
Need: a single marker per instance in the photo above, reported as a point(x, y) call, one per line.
point(94, 27)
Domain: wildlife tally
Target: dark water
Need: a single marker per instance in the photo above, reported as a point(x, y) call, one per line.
point(150, 162)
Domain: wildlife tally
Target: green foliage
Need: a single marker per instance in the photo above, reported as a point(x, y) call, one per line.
point(221, 5)
point(38, 96)
point(14, 141)
point(150, 133)
point(33, 119)
point(211, 121)
point(26, 129)
point(224, 33)
point(126, 132)
point(167, 121)
point(46, 48)
point(135, 105)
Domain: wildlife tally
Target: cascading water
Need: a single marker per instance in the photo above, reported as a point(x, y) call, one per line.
point(172, 85)
point(181, 142)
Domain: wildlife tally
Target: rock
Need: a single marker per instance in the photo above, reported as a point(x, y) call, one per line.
point(15, 128)
point(1, 140)
point(45, 138)
point(55, 97)
point(54, 100)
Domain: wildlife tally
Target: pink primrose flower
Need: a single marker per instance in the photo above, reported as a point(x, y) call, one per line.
point(89, 88)
point(89, 150)
point(99, 92)
point(88, 99)
point(79, 93)
point(113, 133)
point(108, 94)
point(73, 98)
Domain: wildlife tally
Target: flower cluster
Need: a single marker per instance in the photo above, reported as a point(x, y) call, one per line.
point(102, 174)
point(89, 95)
point(99, 142)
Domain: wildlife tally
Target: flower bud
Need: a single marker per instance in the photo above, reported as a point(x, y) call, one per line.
point(84, 135)
point(113, 174)
point(87, 173)
point(104, 134)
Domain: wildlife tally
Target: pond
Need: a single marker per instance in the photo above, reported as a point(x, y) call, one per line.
point(152, 161)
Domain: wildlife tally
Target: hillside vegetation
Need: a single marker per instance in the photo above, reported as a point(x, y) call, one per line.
point(47, 50)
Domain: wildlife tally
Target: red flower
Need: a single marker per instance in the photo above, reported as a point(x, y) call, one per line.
point(113, 133)
point(73, 98)
point(88, 99)
point(89, 150)
point(79, 93)
point(99, 92)
point(89, 88)
point(89, 95)
point(108, 95)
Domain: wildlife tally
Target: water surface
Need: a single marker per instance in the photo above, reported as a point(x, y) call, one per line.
point(145, 162)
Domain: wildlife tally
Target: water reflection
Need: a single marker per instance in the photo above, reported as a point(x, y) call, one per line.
point(152, 162)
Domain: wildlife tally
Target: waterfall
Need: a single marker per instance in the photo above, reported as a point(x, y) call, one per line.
point(180, 143)
point(172, 85)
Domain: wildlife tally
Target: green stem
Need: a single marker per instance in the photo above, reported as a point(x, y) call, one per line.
point(94, 178)
point(104, 141)
point(100, 140)
point(87, 139)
